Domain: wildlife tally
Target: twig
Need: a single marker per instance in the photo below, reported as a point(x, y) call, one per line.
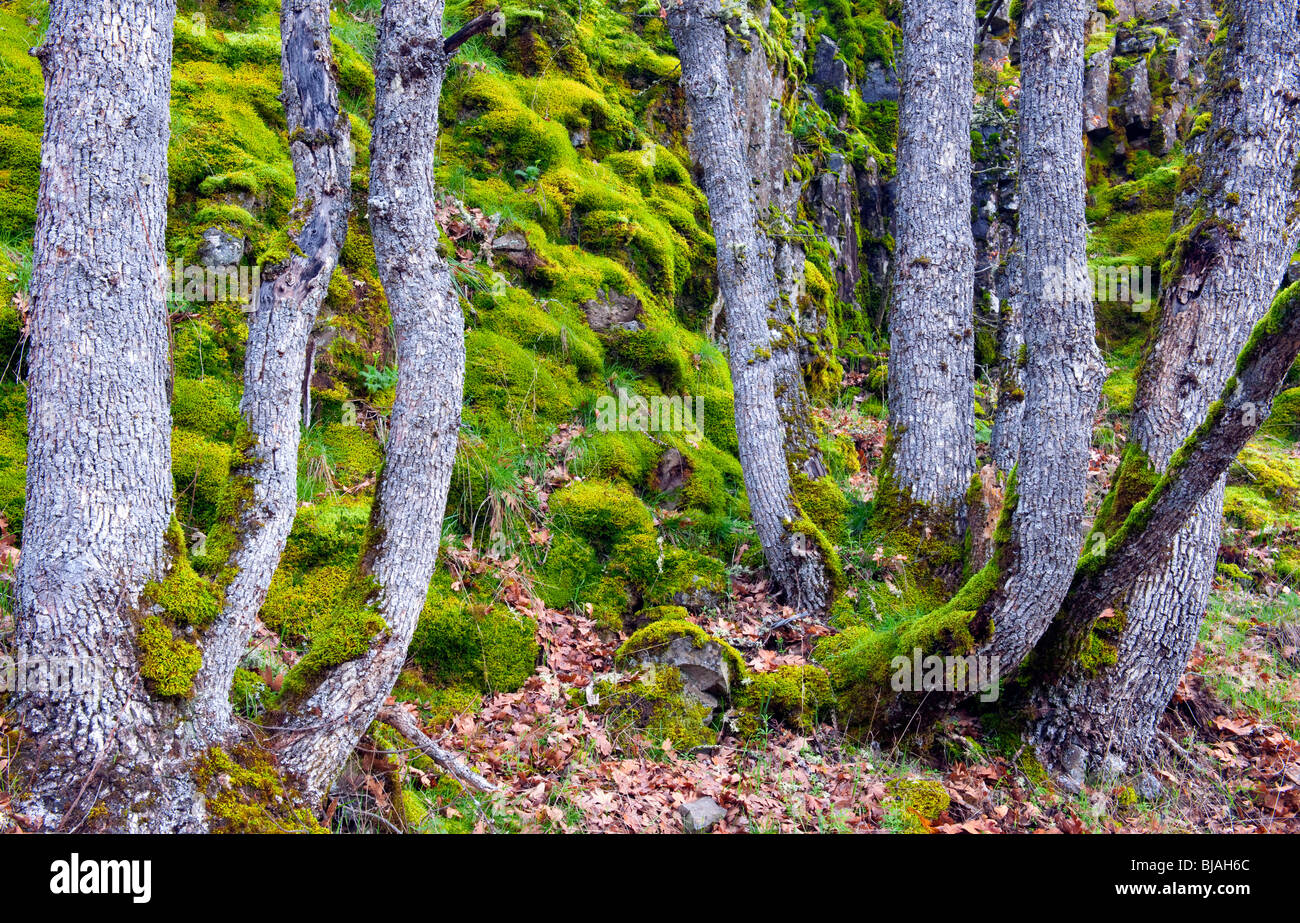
point(401, 721)
point(479, 24)
point(1187, 757)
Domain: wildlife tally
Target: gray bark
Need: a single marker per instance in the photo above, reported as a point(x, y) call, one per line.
point(411, 62)
point(277, 352)
point(99, 490)
point(1240, 216)
point(747, 282)
point(931, 340)
point(759, 87)
point(1063, 368)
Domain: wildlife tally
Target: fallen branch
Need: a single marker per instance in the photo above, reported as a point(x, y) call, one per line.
point(479, 24)
point(404, 723)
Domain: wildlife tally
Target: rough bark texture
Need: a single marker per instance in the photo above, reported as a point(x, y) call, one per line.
point(277, 353)
point(99, 489)
point(429, 332)
point(1239, 233)
point(1063, 370)
point(760, 87)
point(1152, 533)
point(931, 340)
point(747, 283)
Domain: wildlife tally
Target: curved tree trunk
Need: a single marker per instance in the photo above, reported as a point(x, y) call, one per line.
point(931, 338)
point(287, 305)
point(99, 487)
point(1063, 370)
point(1238, 222)
point(747, 283)
point(406, 523)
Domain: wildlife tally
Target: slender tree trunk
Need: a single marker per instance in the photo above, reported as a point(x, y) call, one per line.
point(760, 86)
point(931, 338)
point(1063, 370)
point(99, 490)
point(287, 305)
point(1237, 235)
point(406, 526)
point(799, 562)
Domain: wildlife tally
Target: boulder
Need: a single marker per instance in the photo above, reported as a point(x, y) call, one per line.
point(1096, 89)
point(701, 815)
point(611, 310)
point(707, 666)
point(217, 249)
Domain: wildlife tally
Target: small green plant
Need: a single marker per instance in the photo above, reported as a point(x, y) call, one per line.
point(529, 174)
point(376, 379)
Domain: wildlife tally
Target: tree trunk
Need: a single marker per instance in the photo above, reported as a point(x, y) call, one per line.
point(429, 331)
point(1063, 370)
point(1237, 235)
point(99, 487)
point(760, 86)
point(931, 338)
point(276, 364)
point(796, 553)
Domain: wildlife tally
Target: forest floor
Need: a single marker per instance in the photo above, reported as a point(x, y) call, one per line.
point(1226, 759)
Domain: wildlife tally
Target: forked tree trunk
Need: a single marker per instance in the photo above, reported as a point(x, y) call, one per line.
point(406, 523)
point(1063, 370)
point(99, 487)
point(1237, 222)
point(275, 366)
point(931, 338)
point(748, 286)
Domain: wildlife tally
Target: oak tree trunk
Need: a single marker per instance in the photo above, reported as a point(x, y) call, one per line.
point(747, 282)
point(99, 486)
point(1237, 233)
point(931, 338)
point(411, 496)
point(1063, 370)
point(275, 367)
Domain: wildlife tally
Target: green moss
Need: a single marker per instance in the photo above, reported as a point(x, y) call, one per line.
point(245, 793)
point(921, 799)
point(798, 695)
point(247, 692)
point(656, 705)
point(206, 406)
point(601, 514)
point(200, 469)
point(1132, 481)
point(487, 647)
point(354, 453)
point(824, 503)
point(167, 663)
point(327, 533)
point(184, 596)
point(659, 634)
point(1284, 419)
point(340, 631)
